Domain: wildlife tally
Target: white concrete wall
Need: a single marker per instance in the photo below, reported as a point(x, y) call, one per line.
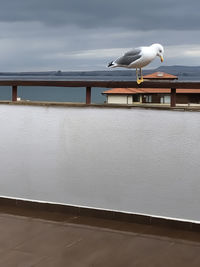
point(134, 160)
point(117, 99)
point(130, 99)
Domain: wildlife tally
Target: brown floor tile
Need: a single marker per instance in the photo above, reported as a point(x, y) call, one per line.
point(178, 255)
point(91, 242)
point(103, 248)
point(55, 240)
point(16, 230)
point(180, 236)
point(18, 259)
point(90, 252)
point(134, 228)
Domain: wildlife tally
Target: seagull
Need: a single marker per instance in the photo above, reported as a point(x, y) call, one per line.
point(139, 57)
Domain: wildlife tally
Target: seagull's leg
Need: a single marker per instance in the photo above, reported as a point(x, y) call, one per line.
point(137, 76)
point(139, 80)
point(141, 76)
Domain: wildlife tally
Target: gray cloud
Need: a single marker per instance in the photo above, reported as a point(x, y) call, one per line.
point(137, 15)
point(33, 46)
point(87, 34)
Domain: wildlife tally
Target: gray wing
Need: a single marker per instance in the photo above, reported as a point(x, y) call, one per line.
point(129, 57)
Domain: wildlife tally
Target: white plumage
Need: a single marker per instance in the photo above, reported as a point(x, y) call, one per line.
point(138, 58)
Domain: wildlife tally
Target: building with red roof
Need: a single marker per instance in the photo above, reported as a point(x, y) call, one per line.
point(160, 76)
point(152, 95)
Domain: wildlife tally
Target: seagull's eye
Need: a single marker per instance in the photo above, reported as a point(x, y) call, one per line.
point(160, 51)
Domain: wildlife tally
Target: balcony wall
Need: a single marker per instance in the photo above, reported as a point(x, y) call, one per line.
point(132, 160)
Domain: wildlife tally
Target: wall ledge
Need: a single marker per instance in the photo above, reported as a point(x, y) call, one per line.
point(83, 105)
point(7, 204)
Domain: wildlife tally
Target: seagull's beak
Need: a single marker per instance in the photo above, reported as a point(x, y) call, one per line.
point(161, 58)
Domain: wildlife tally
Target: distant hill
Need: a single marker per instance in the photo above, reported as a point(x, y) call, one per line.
point(181, 71)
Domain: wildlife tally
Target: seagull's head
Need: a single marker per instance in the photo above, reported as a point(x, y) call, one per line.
point(159, 51)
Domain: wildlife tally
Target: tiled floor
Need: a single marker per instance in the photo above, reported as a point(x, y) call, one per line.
point(56, 240)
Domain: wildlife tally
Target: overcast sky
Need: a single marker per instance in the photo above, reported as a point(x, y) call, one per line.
point(38, 35)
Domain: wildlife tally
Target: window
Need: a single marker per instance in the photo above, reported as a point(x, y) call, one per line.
point(136, 98)
point(148, 98)
point(165, 99)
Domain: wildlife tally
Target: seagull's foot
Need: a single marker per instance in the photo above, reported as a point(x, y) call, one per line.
point(139, 81)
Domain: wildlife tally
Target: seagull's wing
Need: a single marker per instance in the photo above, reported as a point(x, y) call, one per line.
point(129, 57)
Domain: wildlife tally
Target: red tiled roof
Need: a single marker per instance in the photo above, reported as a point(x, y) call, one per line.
point(160, 76)
point(120, 91)
point(131, 91)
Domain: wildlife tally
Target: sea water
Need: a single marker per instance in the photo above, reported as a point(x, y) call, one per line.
point(57, 94)
point(62, 94)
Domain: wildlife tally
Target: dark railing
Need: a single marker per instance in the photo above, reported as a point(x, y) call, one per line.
point(173, 85)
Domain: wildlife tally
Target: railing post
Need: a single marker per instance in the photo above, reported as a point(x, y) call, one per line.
point(173, 97)
point(14, 93)
point(88, 95)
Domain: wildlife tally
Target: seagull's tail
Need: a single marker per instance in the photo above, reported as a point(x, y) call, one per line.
point(111, 64)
